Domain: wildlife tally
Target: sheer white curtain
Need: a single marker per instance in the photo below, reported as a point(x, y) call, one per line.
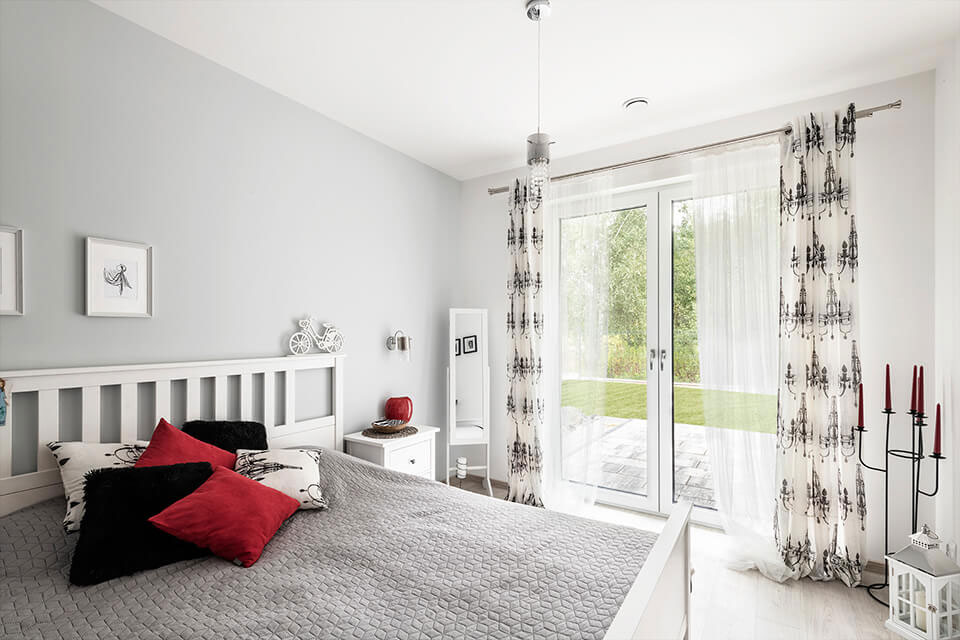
point(577, 277)
point(736, 227)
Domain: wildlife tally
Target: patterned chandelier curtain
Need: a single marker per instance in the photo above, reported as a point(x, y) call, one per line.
point(821, 507)
point(525, 403)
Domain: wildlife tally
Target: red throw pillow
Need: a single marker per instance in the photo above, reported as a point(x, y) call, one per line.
point(233, 516)
point(169, 445)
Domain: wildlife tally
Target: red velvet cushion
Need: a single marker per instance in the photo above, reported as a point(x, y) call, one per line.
point(231, 515)
point(169, 445)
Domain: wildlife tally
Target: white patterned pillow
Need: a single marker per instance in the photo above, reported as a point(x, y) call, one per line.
point(76, 459)
point(295, 472)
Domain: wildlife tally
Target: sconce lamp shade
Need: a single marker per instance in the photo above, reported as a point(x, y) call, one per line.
point(402, 343)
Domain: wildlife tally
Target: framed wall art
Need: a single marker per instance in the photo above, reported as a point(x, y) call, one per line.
point(470, 344)
point(11, 271)
point(119, 279)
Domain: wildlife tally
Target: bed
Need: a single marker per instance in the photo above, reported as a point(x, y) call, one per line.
point(394, 556)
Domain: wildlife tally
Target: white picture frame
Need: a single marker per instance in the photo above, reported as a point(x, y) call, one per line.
point(119, 279)
point(11, 271)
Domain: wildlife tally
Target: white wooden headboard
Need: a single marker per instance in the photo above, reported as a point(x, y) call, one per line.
point(206, 397)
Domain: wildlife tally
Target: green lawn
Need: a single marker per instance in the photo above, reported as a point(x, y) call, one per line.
point(742, 411)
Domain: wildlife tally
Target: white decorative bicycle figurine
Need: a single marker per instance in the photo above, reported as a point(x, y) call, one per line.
point(329, 341)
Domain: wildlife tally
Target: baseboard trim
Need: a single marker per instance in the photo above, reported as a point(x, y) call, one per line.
point(874, 567)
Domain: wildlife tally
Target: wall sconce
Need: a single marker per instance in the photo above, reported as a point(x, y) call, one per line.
point(400, 342)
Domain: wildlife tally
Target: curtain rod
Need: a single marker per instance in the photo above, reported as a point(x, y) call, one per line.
point(863, 113)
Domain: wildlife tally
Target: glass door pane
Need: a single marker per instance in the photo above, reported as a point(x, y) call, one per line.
point(699, 417)
point(692, 468)
point(606, 304)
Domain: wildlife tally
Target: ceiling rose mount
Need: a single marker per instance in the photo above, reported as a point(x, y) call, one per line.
point(538, 9)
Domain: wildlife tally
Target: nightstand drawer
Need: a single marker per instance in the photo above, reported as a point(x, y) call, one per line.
point(415, 458)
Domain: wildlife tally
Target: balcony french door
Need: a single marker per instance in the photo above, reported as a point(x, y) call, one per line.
point(647, 459)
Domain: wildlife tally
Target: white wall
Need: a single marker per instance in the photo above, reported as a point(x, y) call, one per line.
point(260, 210)
point(947, 227)
point(895, 190)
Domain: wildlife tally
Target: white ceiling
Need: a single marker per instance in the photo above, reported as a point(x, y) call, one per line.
point(452, 82)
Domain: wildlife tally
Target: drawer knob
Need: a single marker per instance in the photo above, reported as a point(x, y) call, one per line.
point(413, 461)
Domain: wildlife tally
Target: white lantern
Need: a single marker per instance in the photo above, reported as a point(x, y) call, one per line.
point(924, 590)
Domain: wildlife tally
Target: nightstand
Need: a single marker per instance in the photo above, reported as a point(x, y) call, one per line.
point(414, 454)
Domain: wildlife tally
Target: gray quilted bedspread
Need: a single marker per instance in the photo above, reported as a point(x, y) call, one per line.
point(395, 556)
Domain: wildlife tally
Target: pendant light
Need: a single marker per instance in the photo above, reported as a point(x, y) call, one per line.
point(538, 144)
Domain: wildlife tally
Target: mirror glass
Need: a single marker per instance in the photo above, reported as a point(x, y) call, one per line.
point(468, 347)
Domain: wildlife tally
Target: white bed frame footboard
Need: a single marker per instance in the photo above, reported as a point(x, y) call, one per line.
point(206, 394)
point(657, 607)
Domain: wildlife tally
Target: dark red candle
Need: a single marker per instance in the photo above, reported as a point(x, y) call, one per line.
point(920, 392)
point(860, 415)
point(936, 434)
point(913, 392)
point(886, 400)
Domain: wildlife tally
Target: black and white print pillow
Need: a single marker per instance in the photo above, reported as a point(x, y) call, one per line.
point(76, 459)
point(295, 472)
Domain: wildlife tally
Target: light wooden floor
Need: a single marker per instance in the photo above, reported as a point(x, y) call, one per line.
point(735, 605)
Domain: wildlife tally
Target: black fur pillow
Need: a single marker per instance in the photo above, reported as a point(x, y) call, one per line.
point(228, 434)
point(115, 537)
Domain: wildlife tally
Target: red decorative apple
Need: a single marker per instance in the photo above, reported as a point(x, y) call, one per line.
point(399, 409)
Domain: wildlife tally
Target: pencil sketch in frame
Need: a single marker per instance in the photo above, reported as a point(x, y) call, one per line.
point(11, 271)
point(119, 279)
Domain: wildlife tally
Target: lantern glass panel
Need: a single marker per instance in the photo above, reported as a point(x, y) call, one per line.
point(944, 591)
point(944, 630)
point(903, 612)
point(955, 594)
point(920, 600)
point(903, 586)
point(955, 627)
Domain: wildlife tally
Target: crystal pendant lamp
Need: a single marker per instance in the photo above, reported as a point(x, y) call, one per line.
point(538, 144)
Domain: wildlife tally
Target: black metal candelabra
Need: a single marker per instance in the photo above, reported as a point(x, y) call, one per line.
point(916, 456)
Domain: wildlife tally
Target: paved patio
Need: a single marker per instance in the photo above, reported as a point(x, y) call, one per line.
point(623, 459)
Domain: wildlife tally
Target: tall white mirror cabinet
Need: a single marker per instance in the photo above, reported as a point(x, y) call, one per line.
point(468, 391)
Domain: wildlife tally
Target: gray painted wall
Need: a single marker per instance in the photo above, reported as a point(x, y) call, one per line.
point(260, 210)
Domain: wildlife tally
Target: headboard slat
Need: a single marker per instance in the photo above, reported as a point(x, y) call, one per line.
point(246, 396)
point(48, 422)
point(162, 402)
point(220, 398)
point(269, 399)
point(90, 412)
point(290, 390)
point(194, 400)
point(128, 412)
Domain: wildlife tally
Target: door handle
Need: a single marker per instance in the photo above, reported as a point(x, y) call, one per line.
point(663, 358)
point(653, 357)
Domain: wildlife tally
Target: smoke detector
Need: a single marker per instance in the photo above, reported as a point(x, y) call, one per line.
point(636, 103)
